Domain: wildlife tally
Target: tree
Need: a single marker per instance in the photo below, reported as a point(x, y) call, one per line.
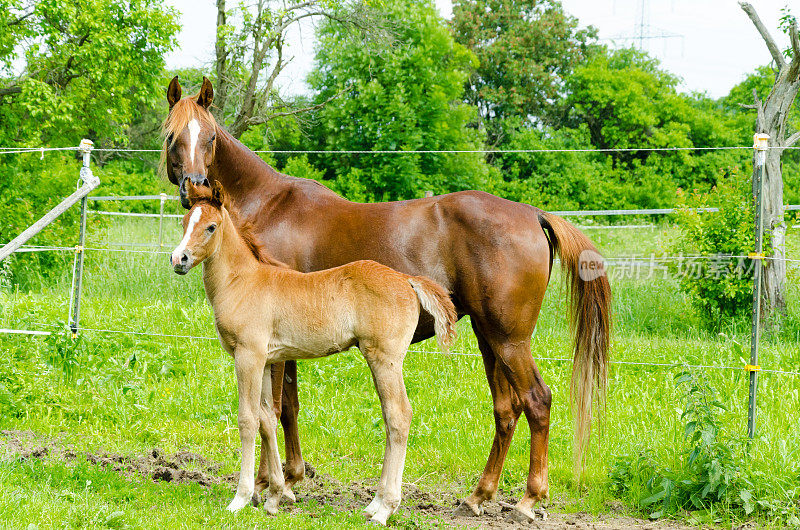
point(771, 118)
point(409, 97)
point(73, 70)
point(525, 51)
point(250, 48)
point(626, 100)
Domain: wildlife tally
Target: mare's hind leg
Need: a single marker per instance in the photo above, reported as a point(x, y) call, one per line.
point(515, 358)
point(290, 407)
point(271, 389)
point(507, 409)
point(387, 374)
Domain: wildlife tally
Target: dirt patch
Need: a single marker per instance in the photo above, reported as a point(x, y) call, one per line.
point(438, 508)
point(181, 467)
point(319, 489)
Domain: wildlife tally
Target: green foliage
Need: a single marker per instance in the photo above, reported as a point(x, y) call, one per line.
point(87, 68)
point(627, 101)
point(405, 98)
point(28, 189)
point(525, 51)
point(721, 288)
point(713, 471)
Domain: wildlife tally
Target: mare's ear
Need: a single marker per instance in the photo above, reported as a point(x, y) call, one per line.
point(173, 92)
point(206, 95)
point(218, 195)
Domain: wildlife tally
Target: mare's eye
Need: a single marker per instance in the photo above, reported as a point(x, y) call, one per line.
point(213, 137)
point(211, 229)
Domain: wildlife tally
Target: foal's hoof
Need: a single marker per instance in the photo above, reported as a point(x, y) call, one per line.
point(271, 504)
point(467, 510)
point(238, 503)
point(288, 495)
point(256, 500)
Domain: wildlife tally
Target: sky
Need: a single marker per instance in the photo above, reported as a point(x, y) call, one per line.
point(712, 44)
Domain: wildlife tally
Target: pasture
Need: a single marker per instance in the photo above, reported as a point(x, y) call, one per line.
point(124, 395)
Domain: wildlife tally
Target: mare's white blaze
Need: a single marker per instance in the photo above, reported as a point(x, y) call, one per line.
point(194, 134)
point(176, 254)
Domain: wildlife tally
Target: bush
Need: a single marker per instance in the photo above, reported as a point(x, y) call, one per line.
point(720, 282)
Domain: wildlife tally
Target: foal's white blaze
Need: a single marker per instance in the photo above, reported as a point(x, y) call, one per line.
point(194, 134)
point(176, 254)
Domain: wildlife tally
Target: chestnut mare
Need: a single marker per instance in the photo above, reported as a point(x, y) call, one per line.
point(493, 255)
point(265, 312)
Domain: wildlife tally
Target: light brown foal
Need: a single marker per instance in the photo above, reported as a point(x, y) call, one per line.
point(266, 313)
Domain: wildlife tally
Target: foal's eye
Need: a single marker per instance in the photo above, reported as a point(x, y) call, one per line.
point(213, 137)
point(211, 229)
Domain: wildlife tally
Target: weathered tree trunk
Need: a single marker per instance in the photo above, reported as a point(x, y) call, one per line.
point(221, 93)
point(771, 119)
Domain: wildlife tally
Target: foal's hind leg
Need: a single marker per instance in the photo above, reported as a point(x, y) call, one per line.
point(387, 373)
point(507, 409)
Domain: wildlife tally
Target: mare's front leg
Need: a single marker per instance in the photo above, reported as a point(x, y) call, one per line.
point(249, 373)
point(387, 373)
point(290, 407)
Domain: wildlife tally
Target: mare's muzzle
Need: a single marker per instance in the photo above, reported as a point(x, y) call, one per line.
point(181, 263)
point(198, 180)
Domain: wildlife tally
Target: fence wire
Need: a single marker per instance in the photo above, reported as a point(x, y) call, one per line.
point(429, 352)
point(42, 149)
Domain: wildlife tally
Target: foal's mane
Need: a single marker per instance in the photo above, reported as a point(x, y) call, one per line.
point(176, 121)
point(216, 198)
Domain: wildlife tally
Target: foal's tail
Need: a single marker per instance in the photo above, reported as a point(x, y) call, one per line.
point(435, 300)
point(589, 309)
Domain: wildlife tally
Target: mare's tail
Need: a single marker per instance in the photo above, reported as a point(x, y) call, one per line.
point(590, 318)
point(436, 301)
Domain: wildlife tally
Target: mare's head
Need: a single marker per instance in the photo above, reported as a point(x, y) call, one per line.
point(190, 133)
point(202, 227)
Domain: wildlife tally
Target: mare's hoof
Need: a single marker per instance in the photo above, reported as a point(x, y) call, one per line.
point(521, 515)
point(467, 510)
point(541, 512)
point(256, 500)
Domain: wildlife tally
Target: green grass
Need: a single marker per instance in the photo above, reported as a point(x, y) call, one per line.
point(129, 393)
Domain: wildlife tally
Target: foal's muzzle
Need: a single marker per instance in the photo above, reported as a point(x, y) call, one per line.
point(181, 263)
point(198, 180)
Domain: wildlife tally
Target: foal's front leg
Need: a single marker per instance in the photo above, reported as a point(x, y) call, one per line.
point(249, 373)
point(269, 469)
point(271, 388)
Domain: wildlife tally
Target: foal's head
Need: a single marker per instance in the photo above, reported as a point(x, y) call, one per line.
point(190, 132)
point(202, 227)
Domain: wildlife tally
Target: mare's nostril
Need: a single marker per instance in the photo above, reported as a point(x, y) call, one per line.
point(184, 259)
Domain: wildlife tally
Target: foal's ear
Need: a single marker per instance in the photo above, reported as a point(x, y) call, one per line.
point(173, 92)
point(206, 95)
point(218, 195)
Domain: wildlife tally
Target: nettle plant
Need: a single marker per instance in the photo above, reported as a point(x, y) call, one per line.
point(713, 472)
